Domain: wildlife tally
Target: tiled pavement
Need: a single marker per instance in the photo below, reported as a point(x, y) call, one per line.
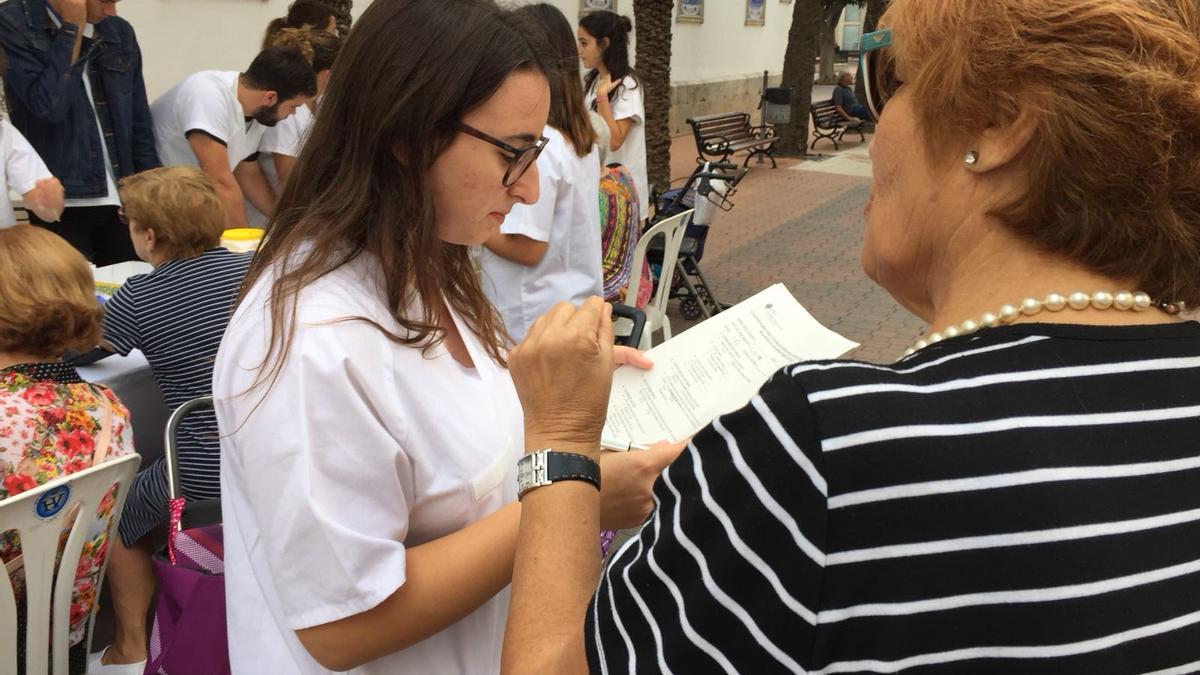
point(801, 224)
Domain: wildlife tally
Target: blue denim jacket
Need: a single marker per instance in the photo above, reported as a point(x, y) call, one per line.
point(48, 103)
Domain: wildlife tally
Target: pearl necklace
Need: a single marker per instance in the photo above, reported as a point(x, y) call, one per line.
point(1054, 302)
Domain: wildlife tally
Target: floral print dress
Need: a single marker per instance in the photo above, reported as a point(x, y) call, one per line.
point(49, 423)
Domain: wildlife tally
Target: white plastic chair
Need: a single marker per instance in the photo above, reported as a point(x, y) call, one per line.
point(39, 516)
point(673, 229)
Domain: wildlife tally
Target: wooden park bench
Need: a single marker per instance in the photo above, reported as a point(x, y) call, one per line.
point(828, 123)
point(719, 136)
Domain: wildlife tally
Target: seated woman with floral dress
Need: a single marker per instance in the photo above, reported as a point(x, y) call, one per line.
point(51, 421)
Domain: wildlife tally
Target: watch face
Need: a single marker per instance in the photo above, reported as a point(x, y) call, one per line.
point(524, 473)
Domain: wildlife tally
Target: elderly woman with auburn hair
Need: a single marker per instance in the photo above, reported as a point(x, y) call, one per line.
point(52, 423)
point(1019, 492)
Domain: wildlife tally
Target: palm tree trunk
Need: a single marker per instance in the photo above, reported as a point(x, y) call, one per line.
point(827, 54)
point(875, 10)
point(799, 64)
point(833, 14)
point(652, 23)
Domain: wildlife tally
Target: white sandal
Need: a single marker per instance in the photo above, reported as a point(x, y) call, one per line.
point(96, 667)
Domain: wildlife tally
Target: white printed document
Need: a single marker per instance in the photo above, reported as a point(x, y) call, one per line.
point(110, 277)
point(118, 273)
point(714, 368)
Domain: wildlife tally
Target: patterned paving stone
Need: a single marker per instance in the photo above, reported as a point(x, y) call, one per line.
point(801, 224)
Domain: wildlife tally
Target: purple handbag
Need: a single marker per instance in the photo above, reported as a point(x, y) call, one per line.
point(189, 635)
point(189, 618)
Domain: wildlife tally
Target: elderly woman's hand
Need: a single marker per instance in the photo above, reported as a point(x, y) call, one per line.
point(630, 356)
point(563, 373)
point(626, 482)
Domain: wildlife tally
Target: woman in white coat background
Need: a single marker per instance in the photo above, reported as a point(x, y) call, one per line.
point(369, 424)
point(549, 252)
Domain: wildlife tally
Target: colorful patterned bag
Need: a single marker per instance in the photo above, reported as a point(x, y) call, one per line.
point(621, 218)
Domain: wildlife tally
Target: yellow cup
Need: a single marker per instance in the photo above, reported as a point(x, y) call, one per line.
point(242, 239)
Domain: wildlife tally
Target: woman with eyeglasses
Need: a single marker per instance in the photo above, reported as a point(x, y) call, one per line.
point(1018, 493)
point(549, 252)
point(369, 427)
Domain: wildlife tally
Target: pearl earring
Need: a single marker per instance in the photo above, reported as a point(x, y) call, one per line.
point(971, 158)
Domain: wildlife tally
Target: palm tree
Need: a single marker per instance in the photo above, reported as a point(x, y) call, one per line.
point(799, 65)
point(652, 23)
point(832, 14)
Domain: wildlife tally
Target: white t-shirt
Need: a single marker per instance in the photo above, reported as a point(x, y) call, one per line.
point(23, 168)
point(206, 101)
point(112, 197)
point(567, 217)
point(285, 138)
point(360, 448)
point(630, 104)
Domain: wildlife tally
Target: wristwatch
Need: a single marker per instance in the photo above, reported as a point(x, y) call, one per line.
point(544, 467)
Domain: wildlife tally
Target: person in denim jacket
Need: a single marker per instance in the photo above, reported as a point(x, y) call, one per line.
point(74, 88)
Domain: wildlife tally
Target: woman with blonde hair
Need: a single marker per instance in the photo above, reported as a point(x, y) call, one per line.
point(52, 423)
point(175, 315)
point(1019, 492)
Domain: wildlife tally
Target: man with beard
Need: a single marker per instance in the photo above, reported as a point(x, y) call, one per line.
point(75, 91)
point(215, 120)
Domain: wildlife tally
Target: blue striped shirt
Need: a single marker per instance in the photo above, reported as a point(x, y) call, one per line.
point(176, 315)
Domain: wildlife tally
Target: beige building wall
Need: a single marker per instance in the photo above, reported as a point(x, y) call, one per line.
point(716, 65)
point(181, 37)
point(696, 99)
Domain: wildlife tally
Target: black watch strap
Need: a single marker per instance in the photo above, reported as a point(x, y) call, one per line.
point(544, 467)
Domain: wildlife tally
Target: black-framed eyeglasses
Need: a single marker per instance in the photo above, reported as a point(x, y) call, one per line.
point(521, 158)
point(878, 69)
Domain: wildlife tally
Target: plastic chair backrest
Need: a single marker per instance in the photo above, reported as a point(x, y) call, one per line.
point(673, 229)
point(40, 516)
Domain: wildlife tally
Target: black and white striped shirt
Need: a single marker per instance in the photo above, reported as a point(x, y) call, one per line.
point(1023, 500)
point(176, 315)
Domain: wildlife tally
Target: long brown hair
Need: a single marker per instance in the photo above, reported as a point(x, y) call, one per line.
point(408, 71)
point(568, 113)
point(605, 25)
